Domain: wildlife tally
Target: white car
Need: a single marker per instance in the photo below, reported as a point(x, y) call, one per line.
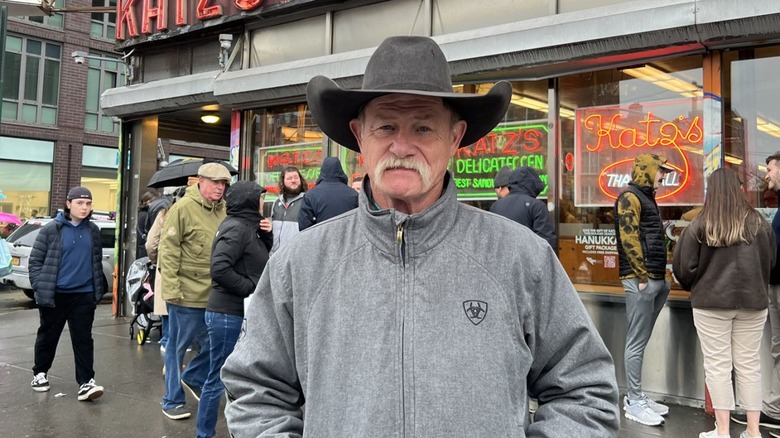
point(20, 244)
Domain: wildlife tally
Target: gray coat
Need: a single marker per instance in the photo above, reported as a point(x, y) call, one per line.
point(387, 324)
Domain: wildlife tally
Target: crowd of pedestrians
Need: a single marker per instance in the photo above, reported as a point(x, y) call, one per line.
point(384, 333)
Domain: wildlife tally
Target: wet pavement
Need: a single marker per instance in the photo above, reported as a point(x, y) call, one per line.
point(132, 377)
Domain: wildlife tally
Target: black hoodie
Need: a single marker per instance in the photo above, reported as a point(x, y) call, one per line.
point(240, 250)
point(329, 198)
point(521, 204)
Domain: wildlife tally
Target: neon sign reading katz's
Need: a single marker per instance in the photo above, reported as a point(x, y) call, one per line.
point(476, 165)
point(608, 138)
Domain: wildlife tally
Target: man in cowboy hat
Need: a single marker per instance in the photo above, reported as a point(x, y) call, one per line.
point(402, 324)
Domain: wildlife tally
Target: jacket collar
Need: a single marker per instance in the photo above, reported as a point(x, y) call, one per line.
point(421, 231)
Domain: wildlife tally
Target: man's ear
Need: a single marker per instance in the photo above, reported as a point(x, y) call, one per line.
point(357, 130)
point(458, 131)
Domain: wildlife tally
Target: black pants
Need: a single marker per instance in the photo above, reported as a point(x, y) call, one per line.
point(78, 310)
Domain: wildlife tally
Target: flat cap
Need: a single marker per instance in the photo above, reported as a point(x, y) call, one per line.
point(214, 172)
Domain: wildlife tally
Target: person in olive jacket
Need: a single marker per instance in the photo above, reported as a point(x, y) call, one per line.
point(724, 257)
point(238, 255)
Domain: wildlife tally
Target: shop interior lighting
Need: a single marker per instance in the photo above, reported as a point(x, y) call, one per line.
point(210, 118)
point(664, 80)
point(522, 100)
point(767, 127)
point(530, 102)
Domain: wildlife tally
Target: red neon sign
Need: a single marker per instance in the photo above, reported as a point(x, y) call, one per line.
point(608, 139)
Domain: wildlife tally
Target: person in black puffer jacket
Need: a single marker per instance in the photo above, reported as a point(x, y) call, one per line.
point(329, 198)
point(238, 256)
point(522, 206)
point(66, 273)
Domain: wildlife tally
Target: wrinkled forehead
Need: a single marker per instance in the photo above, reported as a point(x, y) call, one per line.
point(403, 103)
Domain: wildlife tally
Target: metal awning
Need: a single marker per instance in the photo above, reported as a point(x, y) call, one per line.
point(159, 96)
point(543, 47)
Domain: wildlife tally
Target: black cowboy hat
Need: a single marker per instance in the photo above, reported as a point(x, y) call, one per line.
point(408, 65)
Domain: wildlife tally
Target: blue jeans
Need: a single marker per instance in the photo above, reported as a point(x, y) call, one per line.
point(223, 334)
point(186, 325)
point(164, 330)
point(642, 309)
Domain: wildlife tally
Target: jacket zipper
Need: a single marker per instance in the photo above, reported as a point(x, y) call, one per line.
point(399, 240)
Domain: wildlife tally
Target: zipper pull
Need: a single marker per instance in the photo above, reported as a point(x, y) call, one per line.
point(399, 235)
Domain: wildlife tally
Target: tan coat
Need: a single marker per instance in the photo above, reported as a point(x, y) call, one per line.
point(152, 246)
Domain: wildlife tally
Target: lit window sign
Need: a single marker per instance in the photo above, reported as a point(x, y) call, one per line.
point(516, 145)
point(608, 138)
point(307, 157)
point(168, 18)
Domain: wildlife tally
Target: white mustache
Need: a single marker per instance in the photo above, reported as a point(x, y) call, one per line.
point(403, 163)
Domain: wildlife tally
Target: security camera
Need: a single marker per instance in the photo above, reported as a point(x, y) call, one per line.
point(225, 40)
point(79, 57)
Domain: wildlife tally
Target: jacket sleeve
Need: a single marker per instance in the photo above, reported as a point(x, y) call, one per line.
point(37, 256)
point(227, 252)
point(267, 237)
point(260, 378)
point(572, 374)
point(306, 217)
point(628, 211)
point(153, 238)
point(542, 225)
point(169, 257)
point(685, 262)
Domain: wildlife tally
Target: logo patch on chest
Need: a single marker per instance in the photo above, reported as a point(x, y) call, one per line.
point(475, 311)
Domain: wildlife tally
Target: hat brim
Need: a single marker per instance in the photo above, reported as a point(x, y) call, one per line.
point(667, 168)
point(334, 107)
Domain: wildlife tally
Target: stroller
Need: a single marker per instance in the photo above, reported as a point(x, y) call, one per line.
point(142, 297)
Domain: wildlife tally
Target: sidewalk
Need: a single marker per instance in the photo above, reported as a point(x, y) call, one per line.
point(131, 375)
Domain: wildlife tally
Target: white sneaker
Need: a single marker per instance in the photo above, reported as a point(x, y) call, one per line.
point(713, 434)
point(40, 383)
point(744, 434)
point(641, 412)
point(90, 391)
point(658, 408)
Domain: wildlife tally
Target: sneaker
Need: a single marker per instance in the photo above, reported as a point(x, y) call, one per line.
point(641, 412)
point(90, 391)
point(177, 413)
point(40, 383)
point(713, 434)
point(658, 408)
point(194, 390)
point(744, 434)
point(764, 420)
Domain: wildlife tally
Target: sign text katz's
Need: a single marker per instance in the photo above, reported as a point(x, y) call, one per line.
point(135, 18)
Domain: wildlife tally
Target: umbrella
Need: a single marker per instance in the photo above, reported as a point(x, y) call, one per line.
point(10, 218)
point(177, 173)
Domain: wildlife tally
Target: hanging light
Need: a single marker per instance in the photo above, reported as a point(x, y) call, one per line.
point(210, 118)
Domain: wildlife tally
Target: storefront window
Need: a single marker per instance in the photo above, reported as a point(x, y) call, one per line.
point(25, 166)
point(282, 137)
point(98, 174)
point(752, 118)
point(521, 139)
point(658, 108)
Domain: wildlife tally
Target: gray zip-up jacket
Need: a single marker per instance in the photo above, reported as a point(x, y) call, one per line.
point(387, 324)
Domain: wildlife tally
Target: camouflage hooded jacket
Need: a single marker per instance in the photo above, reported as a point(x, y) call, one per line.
point(638, 226)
